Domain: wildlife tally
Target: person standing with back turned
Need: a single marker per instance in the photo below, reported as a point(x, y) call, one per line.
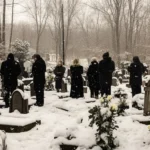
point(136, 70)
point(10, 70)
point(106, 68)
point(38, 71)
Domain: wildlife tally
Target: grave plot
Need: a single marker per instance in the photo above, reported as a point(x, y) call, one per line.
point(13, 124)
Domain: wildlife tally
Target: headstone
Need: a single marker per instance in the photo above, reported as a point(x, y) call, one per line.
point(32, 92)
point(84, 82)
point(85, 89)
point(147, 100)
point(115, 81)
point(27, 81)
point(18, 102)
point(64, 87)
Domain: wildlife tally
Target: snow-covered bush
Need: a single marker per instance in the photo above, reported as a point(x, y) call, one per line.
point(105, 100)
point(20, 49)
point(104, 119)
point(122, 107)
point(138, 101)
point(119, 93)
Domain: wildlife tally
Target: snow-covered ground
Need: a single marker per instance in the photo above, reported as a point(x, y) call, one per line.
point(131, 135)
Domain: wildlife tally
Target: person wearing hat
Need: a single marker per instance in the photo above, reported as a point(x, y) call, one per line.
point(106, 68)
point(136, 70)
point(93, 78)
point(10, 70)
point(38, 71)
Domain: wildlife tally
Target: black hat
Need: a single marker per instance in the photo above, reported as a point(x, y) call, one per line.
point(106, 55)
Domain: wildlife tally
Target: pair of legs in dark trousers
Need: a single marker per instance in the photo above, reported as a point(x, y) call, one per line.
point(94, 92)
point(8, 90)
point(39, 91)
point(136, 89)
point(105, 89)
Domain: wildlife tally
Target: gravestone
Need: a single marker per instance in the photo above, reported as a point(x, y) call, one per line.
point(32, 92)
point(147, 100)
point(18, 102)
point(84, 82)
point(115, 81)
point(21, 87)
point(64, 87)
point(85, 89)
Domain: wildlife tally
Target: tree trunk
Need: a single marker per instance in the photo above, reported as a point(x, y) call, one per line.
point(0, 30)
point(4, 22)
point(37, 44)
point(12, 23)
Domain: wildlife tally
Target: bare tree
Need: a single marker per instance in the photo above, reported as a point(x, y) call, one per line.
point(38, 9)
point(4, 22)
point(12, 23)
point(112, 12)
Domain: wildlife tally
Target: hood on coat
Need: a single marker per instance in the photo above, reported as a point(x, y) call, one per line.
point(10, 57)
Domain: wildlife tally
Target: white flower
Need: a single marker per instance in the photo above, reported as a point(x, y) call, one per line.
point(101, 99)
point(109, 97)
point(114, 107)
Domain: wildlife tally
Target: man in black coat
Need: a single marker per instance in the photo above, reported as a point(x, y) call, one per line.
point(93, 78)
point(136, 70)
point(38, 71)
point(59, 72)
point(10, 70)
point(106, 68)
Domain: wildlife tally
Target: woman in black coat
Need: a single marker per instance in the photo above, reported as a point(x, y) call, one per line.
point(93, 78)
point(59, 72)
point(136, 70)
point(76, 80)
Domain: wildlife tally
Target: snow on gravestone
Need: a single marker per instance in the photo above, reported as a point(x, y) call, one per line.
point(32, 89)
point(115, 81)
point(19, 102)
point(147, 99)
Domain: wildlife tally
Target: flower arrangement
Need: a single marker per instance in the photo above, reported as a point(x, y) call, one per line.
point(105, 100)
point(104, 119)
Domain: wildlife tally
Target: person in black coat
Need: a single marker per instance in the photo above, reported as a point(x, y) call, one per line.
point(93, 78)
point(38, 71)
point(136, 70)
point(10, 70)
point(106, 68)
point(59, 72)
point(76, 80)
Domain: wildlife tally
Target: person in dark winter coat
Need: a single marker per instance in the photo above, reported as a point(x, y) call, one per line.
point(136, 70)
point(59, 72)
point(10, 70)
point(38, 71)
point(93, 78)
point(76, 80)
point(106, 68)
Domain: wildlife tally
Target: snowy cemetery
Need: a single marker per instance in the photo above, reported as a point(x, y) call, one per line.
point(116, 122)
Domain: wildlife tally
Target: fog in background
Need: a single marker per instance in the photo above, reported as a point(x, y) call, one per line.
point(92, 27)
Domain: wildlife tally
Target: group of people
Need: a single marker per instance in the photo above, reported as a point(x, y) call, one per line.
point(10, 71)
point(99, 76)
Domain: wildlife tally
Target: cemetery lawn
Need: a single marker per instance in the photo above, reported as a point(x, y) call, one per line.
point(62, 117)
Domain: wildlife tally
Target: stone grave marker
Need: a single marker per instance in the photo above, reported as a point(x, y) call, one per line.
point(147, 100)
point(32, 92)
point(64, 87)
point(85, 89)
point(18, 102)
point(115, 81)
